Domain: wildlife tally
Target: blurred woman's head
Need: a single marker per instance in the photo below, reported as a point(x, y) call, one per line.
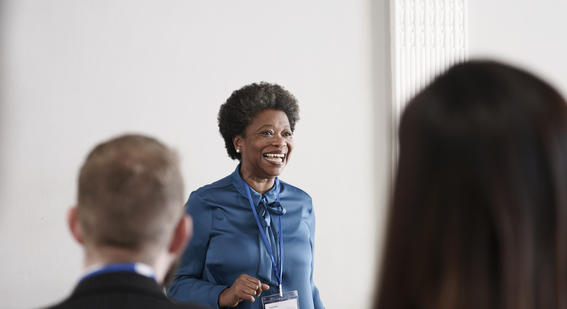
point(257, 124)
point(478, 217)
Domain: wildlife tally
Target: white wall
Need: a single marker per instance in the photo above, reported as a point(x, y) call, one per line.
point(528, 33)
point(76, 72)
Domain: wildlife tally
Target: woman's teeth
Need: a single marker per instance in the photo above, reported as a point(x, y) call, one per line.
point(275, 157)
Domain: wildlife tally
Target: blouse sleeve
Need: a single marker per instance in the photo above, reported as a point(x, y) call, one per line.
point(311, 222)
point(189, 284)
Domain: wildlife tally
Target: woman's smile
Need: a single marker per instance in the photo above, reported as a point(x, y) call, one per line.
point(277, 158)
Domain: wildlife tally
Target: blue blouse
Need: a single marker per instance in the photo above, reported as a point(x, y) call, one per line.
point(226, 243)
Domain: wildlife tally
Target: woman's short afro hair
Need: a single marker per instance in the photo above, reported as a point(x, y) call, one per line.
point(245, 103)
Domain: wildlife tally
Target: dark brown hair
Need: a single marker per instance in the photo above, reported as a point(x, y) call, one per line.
point(130, 193)
point(478, 217)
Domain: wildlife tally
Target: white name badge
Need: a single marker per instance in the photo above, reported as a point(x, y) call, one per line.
point(288, 300)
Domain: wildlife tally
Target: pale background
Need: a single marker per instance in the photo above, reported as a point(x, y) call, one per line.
point(73, 73)
point(77, 72)
point(524, 32)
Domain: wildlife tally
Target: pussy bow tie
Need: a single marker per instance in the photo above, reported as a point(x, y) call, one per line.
point(265, 210)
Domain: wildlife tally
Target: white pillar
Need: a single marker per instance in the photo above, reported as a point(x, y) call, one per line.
point(427, 36)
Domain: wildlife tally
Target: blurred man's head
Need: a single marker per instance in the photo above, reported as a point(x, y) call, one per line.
point(130, 201)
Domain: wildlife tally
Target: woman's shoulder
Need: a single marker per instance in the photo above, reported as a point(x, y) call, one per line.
point(295, 191)
point(212, 189)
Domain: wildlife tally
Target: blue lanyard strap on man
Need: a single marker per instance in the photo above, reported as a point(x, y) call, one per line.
point(278, 272)
point(139, 268)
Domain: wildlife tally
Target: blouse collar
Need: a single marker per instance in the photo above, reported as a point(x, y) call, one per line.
point(239, 183)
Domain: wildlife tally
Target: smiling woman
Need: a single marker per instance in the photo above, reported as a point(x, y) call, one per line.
point(243, 222)
point(265, 148)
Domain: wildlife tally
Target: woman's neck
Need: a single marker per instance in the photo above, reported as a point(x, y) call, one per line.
point(259, 184)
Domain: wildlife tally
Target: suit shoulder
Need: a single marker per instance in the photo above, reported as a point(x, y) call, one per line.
point(153, 302)
point(62, 304)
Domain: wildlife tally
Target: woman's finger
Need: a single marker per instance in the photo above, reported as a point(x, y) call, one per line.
point(245, 288)
point(247, 297)
point(248, 291)
point(246, 277)
point(253, 280)
point(250, 286)
point(253, 284)
point(262, 288)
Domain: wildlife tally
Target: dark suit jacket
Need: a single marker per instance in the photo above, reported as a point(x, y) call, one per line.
point(119, 290)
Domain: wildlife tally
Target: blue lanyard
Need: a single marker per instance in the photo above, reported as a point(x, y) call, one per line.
point(138, 268)
point(278, 273)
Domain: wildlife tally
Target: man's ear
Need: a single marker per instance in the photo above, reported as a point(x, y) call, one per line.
point(181, 235)
point(74, 224)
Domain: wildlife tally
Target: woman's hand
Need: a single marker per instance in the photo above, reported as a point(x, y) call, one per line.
point(243, 288)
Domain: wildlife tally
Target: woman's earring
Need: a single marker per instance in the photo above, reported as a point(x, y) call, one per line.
point(237, 150)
